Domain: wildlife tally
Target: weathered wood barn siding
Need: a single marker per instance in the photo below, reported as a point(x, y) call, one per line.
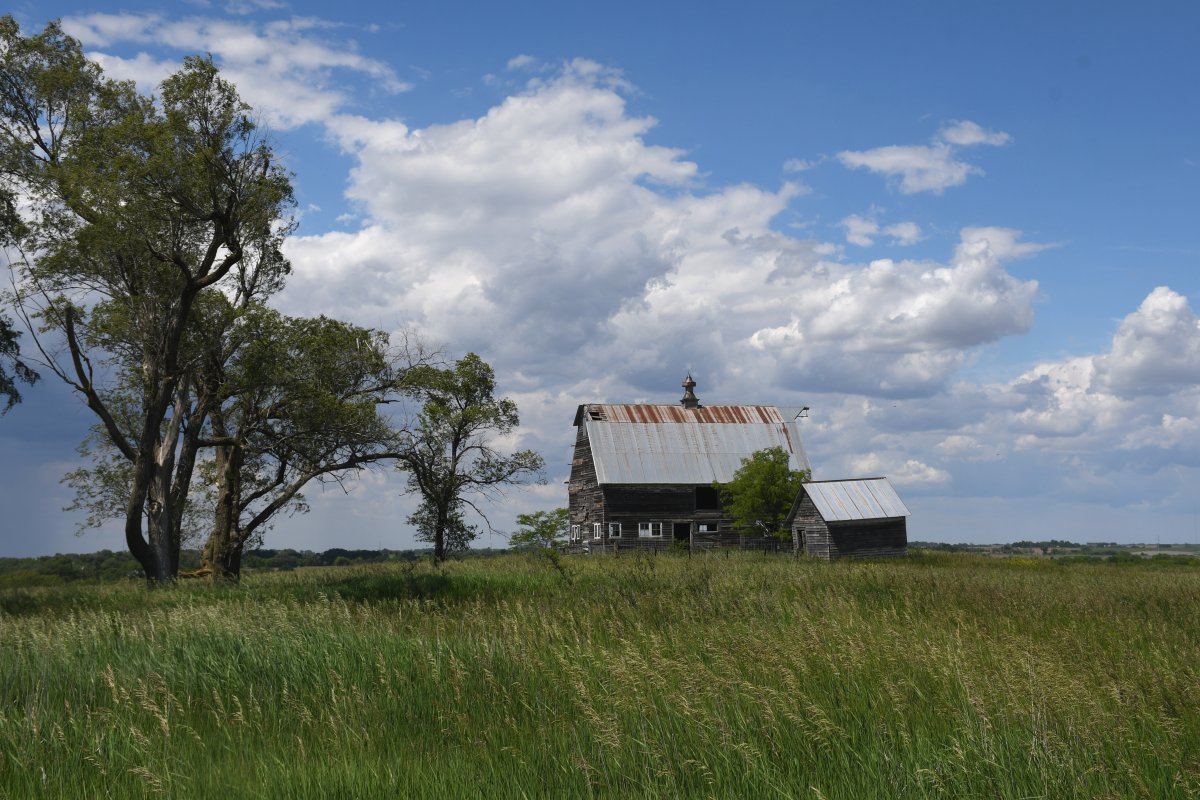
point(867, 531)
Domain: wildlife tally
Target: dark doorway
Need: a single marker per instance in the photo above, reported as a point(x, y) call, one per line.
point(683, 531)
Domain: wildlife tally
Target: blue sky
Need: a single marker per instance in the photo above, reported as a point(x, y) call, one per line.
point(965, 235)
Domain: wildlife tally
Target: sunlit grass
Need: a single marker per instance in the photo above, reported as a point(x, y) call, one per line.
point(726, 676)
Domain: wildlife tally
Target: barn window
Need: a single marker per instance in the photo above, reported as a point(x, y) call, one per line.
point(650, 529)
point(596, 530)
point(706, 527)
point(576, 533)
point(614, 530)
point(707, 498)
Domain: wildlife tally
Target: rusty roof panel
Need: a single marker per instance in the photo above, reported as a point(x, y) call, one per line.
point(648, 413)
point(686, 451)
point(868, 498)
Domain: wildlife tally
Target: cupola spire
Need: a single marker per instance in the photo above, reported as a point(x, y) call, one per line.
point(689, 397)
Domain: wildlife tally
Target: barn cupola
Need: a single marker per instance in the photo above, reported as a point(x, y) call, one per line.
point(689, 397)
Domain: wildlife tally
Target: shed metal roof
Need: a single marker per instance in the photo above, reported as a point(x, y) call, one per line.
point(674, 445)
point(867, 498)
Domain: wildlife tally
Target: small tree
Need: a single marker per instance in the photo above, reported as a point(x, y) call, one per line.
point(542, 529)
point(449, 453)
point(762, 492)
point(457, 534)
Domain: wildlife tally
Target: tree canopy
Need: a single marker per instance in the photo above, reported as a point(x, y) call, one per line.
point(134, 212)
point(148, 235)
point(542, 529)
point(12, 368)
point(450, 451)
point(762, 491)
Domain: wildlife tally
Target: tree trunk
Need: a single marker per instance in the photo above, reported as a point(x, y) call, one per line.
point(439, 536)
point(222, 553)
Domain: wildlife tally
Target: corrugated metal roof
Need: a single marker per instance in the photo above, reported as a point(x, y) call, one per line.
point(869, 498)
point(645, 412)
point(673, 448)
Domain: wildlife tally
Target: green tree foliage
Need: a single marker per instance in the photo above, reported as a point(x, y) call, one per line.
point(542, 529)
point(449, 451)
point(298, 400)
point(762, 492)
point(12, 368)
point(457, 533)
point(134, 212)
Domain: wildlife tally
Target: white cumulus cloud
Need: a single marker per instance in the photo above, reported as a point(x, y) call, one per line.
point(926, 168)
point(862, 231)
point(282, 68)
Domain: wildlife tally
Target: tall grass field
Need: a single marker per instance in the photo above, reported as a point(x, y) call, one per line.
point(522, 676)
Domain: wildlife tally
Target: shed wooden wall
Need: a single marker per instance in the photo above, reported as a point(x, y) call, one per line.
point(874, 538)
point(816, 532)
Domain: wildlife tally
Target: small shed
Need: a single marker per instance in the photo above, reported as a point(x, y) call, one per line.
point(862, 518)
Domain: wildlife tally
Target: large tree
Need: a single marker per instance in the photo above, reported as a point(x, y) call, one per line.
point(134, 210)
point(285, 401)
point(300, 400)
point(450, 451)
point(762, 491)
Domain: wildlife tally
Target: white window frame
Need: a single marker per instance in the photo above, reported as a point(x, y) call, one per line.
point(576, 533)
point(614, 530)
point(706, 527)
point(646, 530)
point(596, 530)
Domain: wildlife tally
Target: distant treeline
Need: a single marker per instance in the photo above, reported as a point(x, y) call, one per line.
point(1046, 545)
point(107, 565)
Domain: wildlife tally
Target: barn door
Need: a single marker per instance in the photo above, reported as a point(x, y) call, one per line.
point(683, 531)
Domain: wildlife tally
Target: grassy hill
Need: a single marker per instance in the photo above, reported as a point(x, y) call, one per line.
point(943, 675)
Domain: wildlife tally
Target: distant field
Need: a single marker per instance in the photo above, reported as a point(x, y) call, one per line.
point(944, 675)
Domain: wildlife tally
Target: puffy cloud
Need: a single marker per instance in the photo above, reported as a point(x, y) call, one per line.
point(906, 472)
point(281, 68)
point(523, 61)
point(919, 168)
point(862, 231)
point(104, 30)
point(1097, 427)
point(1156, 349)
point(143, 69)
point(964, 447)
point(926, 168)
point(549, 234)
point(898, 327)
point(904, 233)
point(967, 133)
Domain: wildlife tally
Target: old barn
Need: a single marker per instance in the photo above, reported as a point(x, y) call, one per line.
point(642, 475)
point(862, 518)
